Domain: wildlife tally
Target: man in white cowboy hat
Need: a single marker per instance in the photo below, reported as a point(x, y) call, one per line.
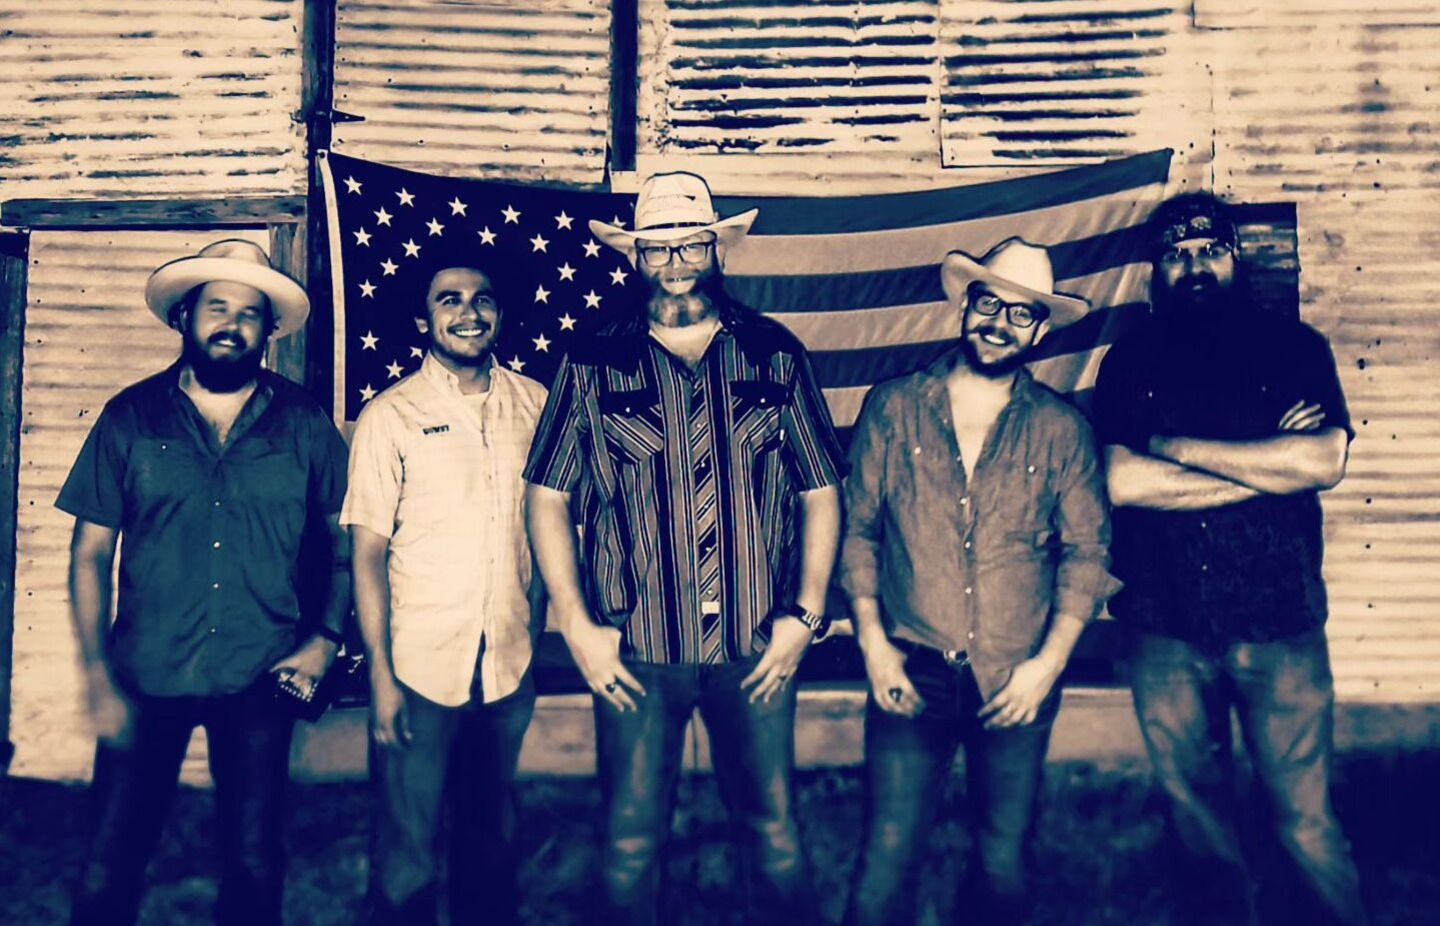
point(444, 594)
point(711, 510)
point(216, 473)
point(975, 554)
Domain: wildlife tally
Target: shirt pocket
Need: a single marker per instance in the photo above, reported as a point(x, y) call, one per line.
point(756, 408)
point(632, 425)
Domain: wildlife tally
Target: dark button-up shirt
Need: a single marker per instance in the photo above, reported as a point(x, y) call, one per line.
point(1247, 572)
point(979, 564)
point(210, 559)
point(617, 429)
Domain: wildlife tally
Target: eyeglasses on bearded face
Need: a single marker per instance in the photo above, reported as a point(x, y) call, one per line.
point(1019, 314)
point(660, 255)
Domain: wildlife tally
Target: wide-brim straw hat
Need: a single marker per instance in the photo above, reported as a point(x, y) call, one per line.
point(670, 207)
point(232, 260)
point(1016, 265)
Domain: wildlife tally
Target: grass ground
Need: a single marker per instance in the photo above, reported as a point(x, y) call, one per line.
point(1098, 858)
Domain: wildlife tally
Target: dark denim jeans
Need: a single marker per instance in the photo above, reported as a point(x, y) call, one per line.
point(753, 751)
point(1284, 698)
point(248, 736)
point(466, 758)
point(907, 763)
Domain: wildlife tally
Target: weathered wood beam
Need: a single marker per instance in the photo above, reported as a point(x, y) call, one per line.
point(157, 213)
point(14, 261)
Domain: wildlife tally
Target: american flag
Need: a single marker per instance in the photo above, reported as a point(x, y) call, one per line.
point(856, 278)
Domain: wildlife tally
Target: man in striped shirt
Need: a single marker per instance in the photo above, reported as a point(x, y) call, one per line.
point(707, 472)
point(443, 591)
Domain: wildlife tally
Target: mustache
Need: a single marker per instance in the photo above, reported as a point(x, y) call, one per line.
point(994, 331)
point(227, 337)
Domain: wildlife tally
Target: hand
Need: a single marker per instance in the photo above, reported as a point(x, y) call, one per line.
point(111, 713)
point(885, 666)
point(789, 639)
point(1018, 703)
point(1302, 417)
point(389, 715)
point(306, 666)
point(596, 651)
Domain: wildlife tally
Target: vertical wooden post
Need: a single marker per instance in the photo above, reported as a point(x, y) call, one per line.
point(624, 82)
point(14, 255)
point(317, 104)
point(287, 356)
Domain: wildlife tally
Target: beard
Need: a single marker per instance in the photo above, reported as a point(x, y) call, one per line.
point(686, 309)
point(221, 374)
point(994, 369)
point(1196, 292)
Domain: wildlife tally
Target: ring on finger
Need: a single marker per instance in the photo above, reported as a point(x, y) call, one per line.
point(612, 687)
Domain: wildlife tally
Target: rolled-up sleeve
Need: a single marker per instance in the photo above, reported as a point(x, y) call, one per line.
point(1083, 582)
point(555, 453)
point(865, 501)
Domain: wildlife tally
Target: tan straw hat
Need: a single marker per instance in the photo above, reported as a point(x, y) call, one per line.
point(1016, 265)
point(232, 260)
point(673, 206)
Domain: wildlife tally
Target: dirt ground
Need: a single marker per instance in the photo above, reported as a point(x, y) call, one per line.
point(1098, 849)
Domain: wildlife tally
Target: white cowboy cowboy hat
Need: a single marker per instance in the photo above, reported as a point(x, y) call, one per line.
point(232, 260)
point(1018, 266)
point(670, 207)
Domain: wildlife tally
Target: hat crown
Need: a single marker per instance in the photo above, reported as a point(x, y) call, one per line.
point(1021, 262)
point(674, 200)
point(236, 249)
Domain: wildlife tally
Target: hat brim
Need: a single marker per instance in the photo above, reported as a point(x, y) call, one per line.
point(959, 270)
point(727, 232)
point(169, 284)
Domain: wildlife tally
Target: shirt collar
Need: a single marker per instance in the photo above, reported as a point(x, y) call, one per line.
point(937, 372)
point(437, 373)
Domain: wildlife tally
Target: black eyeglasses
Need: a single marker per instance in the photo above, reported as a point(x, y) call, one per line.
point(1019, 314)
point(659, 255)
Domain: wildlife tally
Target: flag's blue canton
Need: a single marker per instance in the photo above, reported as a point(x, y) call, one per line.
point(398, 227)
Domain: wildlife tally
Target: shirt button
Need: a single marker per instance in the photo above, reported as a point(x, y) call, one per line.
point(968, 590)
point(968, 544)
point(1203, 525)
point(1030, 469)
point(217, 503)
point(216, 544)
point(965, 500)
point(212, 629)
point(215, 585)
point(970, 635)
point(1204, 567)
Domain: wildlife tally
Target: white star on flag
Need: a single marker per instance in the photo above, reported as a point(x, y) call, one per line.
point(542, 343)
point(592, 300)
point(516, 364)
point(389, 266)
point(362, 238)
point(416, 352)
point(367, 393)
point(617, 222)
point(411, 248)
point(592, 249)
point(393, 370)
point(406, 197)
point(457, 207)
point(567, 272)
point(367, 289)
point(511, 216)
point(542, 294)
point(537, 244)
point(382, 216)
point(562, 220)
point(369, 340)
point(487, 236)
point(617, 276)
point(566, 322)
point(352, 185)
point(435, 227)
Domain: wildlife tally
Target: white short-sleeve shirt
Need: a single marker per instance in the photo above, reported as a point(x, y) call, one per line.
point(440, 474)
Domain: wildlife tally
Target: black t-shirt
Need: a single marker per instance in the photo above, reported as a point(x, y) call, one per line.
point(1243, 572)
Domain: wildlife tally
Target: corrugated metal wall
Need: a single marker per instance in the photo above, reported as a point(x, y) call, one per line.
point(1319, 105)
point(87, 336)
point(477, 89)
point(150, 99)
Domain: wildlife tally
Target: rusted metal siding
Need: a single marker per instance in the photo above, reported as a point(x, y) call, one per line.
point(87, 336)
point(478, 89)
point(1339, 117)
point(1070, 81)
point(150, 99)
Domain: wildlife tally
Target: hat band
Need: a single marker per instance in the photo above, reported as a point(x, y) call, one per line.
point(670, 225)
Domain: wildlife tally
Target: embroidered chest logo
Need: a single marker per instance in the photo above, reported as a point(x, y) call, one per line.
point(435, 429)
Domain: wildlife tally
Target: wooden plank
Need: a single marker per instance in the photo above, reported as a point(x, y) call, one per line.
point(624, 77)
point(319, 101)
point(287, 355)
point(14, 252)
point(158, 213)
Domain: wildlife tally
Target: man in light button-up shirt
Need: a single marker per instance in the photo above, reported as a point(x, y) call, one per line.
point(443, 582)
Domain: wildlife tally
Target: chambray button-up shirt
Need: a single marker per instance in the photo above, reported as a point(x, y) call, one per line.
point(439, 473)
point(979, 564)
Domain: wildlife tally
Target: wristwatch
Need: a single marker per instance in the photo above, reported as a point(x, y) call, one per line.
point(819, 624)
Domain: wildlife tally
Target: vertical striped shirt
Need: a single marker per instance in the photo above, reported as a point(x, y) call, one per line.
point(646, 442)
point(438, 473)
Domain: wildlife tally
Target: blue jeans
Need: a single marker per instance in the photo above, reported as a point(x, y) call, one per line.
point(908, 760)
point(1283, 695)
point(248, 736)
point(463, 759)
point(753, 750)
